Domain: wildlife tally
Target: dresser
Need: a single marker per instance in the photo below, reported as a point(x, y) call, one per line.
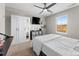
point(34, 33)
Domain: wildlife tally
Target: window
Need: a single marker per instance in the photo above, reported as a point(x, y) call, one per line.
point(61, 24)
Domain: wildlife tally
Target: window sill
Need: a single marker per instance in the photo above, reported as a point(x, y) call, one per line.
point(61, 33)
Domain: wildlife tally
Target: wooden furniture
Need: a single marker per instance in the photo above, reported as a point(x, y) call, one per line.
point(7, 43)
point(34, 33)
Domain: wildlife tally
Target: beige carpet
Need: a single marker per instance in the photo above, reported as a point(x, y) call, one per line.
point(23, 49)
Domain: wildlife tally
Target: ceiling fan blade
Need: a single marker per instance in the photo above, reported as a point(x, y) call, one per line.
point(41, 11)
point(50, 5)
point(38, 7)
point(50, 11)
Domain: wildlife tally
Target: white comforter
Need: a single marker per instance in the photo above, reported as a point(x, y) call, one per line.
point(38, 41)
point(63, 46)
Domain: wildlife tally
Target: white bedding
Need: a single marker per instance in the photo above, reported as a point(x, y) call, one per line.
point(55, 45)
point(62, 46)
point(38, 41)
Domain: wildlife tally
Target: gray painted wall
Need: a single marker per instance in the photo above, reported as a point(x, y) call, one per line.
point(2, 19)
point(8, 25)
point(73, 22)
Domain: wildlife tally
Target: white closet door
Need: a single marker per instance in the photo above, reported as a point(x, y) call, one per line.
point(19, 28)
point(22, 32)
point(15, 29)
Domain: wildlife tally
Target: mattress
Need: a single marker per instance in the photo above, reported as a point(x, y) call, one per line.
point(62, 46)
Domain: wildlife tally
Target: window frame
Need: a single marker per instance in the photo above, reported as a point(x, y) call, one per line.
point(56, 24)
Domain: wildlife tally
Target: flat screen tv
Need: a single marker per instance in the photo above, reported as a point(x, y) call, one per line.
point(35, 20)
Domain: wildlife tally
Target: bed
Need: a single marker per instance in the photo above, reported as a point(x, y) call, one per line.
point(55, 45)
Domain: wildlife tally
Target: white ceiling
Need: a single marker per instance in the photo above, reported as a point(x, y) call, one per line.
point(34, 11)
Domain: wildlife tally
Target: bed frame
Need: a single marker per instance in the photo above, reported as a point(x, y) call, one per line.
point(41, 53)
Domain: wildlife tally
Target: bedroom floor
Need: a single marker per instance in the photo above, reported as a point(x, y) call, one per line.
point(23, 49)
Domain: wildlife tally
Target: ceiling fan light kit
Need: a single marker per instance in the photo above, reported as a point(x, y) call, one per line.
point(45, 9)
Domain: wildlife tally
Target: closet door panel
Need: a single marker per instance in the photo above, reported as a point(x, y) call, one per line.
point(22, 32)
point(14, 29)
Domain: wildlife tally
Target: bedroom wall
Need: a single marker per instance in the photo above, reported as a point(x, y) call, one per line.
point(2, 19)
point(73, 22)
point(9, 12)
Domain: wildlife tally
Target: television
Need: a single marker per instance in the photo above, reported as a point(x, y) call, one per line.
point(35, 20)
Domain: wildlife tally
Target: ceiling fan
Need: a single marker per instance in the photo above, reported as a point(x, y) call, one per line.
point(45, 8)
